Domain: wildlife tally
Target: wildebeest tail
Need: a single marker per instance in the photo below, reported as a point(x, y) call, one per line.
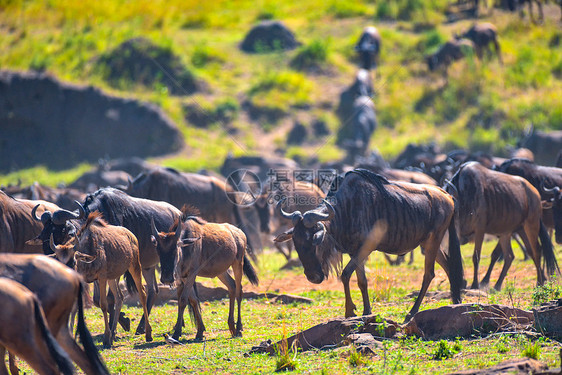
point(456, 271)
point(130, 282)
point(250, 271)
point(86, 338)
point(548, 251)
point(59, 355)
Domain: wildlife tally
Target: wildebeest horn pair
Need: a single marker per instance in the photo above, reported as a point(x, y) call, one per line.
point(155, 230)
point(61, 216)
point(554, 191)
point(44, 217)
point(56, 248)
point(310, 218)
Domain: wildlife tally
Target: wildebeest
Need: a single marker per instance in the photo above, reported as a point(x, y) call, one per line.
point(59, 289)
point(93, 180)
point(518, 4)
point(215, 200)
point(449, 52)
point(545, 145)
point(259, 165)
point(482, 34)
point(496, 203)
point(118, 208)
point(361, 125)
point(540, 177)
point(62, 197)
point(104, 253)
point(24, 331)
point(17, 226)
point(371, 213)
point(194, 247)
point(369, 47)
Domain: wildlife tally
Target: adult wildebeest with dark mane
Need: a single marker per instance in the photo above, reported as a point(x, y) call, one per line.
point(369, 47)
point(104, 253)
point(371, 213)
point(448, 53)
point(24, 332)
point(213, 198)
point(59, 289)
point(17, 226)
point(496, 203)
point(118, 208)
point(482, 34)
point(194, 247)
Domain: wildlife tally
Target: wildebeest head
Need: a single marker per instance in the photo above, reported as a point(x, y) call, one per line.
point(555, 196)
point(307, 233)
point(166, 244)
point(57, 225)
point(64, 252)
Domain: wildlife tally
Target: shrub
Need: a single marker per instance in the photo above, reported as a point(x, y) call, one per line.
point(286, 357)
point(544, 293)
point(311, 56)
point(532, 350)
point(356, 359)
point(445, 351)
point(203, 55)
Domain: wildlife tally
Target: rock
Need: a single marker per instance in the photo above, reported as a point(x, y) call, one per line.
point(512, 367)
point(466, 320)
point(269, 36)
point(320, 128)
point(363, 342)
point(548, 319)
point(47, 122)
point(297, 135)
point(141, 61)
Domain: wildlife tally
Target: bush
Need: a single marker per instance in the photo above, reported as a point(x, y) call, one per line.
point(445, 351)
point(356, 359)
point(532, 350)
point(544, 293)
point(311, 56)
point(203, 55)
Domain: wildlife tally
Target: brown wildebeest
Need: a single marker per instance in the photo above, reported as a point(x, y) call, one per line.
point(500, 204)
point(449, 52)
point(24, 331)
point(17, 226)
point(199, 248)
point(369, 47)
point(482, 34)
point(59, 289)
point(104, 253)
point(371, 213)
point(300, 195)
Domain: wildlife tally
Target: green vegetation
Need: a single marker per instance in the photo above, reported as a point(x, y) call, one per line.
point(485, 106)
point(547, 292)
point(532, 350)
point(445, 350)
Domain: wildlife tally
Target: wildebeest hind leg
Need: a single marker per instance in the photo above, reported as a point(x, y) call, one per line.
point(135, 271)
point(431, 247)
point(149, 275)
point(230, 284)
point(363, 287)
point(478, 238)
point(104, 309)
point(114, 288)
point(530, 239)
point(505, 242)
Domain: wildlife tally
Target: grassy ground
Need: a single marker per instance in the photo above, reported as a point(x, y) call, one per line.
point(262, 320)
point(485, 106)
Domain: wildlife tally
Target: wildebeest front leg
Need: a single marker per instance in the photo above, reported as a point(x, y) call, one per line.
point(135, 271)
point(182, 303)
point(493, 259)
point(151, 292)
point(345, 276)
point(478, 238)
point(118, 296)
point(363, 287)
point(228, 281)
point(3, 369)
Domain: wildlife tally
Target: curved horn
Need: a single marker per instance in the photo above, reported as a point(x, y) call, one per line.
point(52, 245)
point(61, 216)
point(81, 210)
point(34, 213)
point(310, 218)
point(319, 235)
point(294, 216)
point(153, 228)
point(551, 191)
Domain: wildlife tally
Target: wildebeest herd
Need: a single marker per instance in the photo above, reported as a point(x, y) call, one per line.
point(54, 241)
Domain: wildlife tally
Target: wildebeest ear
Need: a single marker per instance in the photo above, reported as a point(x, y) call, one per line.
point(546, 205)
point(34, 241)
point(188, 241)
point(319, 236)
point(285, 236)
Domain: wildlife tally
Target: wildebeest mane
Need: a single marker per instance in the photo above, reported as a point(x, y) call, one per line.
point(94, 217)
point(189, 210)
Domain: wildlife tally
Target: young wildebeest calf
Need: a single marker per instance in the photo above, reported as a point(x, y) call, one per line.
point(105, 252)
point(24, 331)
point(500, 204)
point(482, 35)
point(448, 53)
point(194, 248)
point(59, 289)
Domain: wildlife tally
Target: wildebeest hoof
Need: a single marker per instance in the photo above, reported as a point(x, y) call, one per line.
point(237, 334)
point(124, 322)
point(148, 338)
point(140, 331)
